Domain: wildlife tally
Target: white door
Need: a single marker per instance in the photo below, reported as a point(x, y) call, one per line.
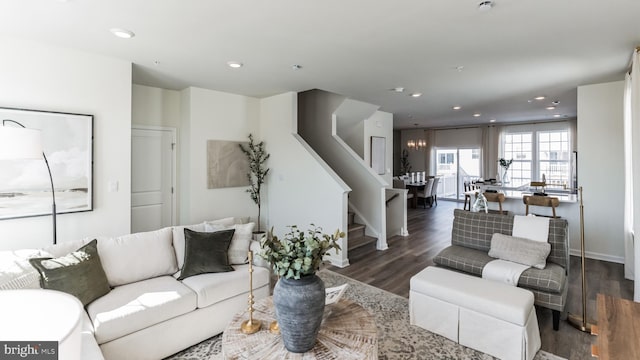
point(152, 179)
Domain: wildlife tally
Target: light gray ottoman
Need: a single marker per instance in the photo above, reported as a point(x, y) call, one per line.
point(488, 316)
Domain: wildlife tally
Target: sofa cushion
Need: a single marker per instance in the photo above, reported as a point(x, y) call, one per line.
point(550, 279)
point(79, 273)
point(132, 307)
point(213, 288)
point(178, 242)
point(520, 250)
point(140, 256)
point(463, 259)
point(206, 252)
point(15, 270)
point(239, 248)
point(89, 345)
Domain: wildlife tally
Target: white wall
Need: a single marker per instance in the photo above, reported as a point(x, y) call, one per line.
point(213, 115)
point(42, 77)
point(301, 188)
point(151, 106)
point(601, 168)
point(380, 124)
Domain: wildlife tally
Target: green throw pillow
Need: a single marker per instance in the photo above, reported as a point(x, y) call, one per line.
point(206, 252)
point(79, 273)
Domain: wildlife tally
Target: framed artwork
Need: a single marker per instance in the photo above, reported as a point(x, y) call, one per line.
point(25, 187)
point(378, 154)
point(227, 166)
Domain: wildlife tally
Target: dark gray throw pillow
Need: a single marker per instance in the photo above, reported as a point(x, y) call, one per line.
point(79, 273)
point(206, 252)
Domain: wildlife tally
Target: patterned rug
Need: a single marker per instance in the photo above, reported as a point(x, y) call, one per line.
point(397, 338)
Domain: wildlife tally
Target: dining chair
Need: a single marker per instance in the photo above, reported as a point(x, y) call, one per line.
point(425, 192)
point(497, 198)
point(434, 191)
point(545, 201)
point(468, 191)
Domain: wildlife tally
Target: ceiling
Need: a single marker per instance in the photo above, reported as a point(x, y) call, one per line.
point(358, 48)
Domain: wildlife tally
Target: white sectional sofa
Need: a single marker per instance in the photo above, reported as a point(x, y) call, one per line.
point(149, 313)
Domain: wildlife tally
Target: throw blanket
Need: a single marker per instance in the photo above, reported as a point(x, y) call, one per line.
point(527, 227)
point(531, 227)
point(503, 271)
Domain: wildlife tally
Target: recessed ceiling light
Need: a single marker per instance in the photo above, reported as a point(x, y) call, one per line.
point(555, 102)
point(492, 120)
point(551, 108)
point(234, 64)
point(398, 89)
point(416, 94)
point(556, 115)
point(539, 98)
point(485, 6)
point(476, 115)
point(457, 107)
point(122, 33)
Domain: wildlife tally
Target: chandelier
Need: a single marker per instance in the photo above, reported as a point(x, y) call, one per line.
point(418, 144)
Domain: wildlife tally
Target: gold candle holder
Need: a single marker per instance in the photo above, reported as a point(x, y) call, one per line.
point(274, 328)
point(250, 326)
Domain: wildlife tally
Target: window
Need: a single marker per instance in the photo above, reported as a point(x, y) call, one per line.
point(554, 156)
point(538, 154)
point(517, 146)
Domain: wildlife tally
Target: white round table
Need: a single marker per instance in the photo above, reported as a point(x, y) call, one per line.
point(37, 315)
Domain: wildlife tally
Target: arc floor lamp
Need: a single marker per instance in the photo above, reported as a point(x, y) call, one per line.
point(23, 143)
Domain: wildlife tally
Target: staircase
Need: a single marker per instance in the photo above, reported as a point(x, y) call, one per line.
point(356, 236)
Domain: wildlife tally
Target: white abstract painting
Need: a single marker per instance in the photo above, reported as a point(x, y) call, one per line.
point(25, 188)
point(227, 166)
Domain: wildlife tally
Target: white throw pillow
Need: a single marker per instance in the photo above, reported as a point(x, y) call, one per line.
point(520, 250)
point(140, 256)
point(239, 248)
point(226, 222)
point(15, 270)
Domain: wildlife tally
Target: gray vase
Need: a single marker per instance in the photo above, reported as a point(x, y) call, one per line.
point(299, 306)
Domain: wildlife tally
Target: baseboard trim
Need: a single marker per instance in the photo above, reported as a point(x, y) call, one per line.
point(339, 262)
point(598, 256)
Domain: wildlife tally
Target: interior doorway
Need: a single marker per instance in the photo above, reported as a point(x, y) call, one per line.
point(153, 177)
point(455, 166)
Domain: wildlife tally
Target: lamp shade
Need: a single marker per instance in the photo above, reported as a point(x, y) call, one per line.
point(20, 143)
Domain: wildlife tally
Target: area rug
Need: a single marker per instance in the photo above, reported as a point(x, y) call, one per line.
point(397, 338)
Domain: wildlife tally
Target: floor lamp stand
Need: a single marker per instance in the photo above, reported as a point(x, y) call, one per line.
point(53, 192)
point(580, 322)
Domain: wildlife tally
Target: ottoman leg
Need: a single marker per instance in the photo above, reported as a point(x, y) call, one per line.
point(556, 319)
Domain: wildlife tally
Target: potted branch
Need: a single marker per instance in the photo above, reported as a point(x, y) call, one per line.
point(504, 175)
point(257, 156)
point(405, 166)
point(299, 294)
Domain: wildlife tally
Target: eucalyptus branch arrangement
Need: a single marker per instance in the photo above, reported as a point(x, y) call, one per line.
point(257, 156)
point(405, 166)
point(299, 252)
point(505, 163)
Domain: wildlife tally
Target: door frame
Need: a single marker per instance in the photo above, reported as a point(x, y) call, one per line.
point(174, 158)
point(456, 149)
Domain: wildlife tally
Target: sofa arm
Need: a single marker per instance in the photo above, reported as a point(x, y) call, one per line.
point(257, 259)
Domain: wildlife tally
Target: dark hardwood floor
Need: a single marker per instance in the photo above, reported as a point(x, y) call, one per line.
point(430, 232)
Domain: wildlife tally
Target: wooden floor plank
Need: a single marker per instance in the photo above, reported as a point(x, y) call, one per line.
point(430, 231)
